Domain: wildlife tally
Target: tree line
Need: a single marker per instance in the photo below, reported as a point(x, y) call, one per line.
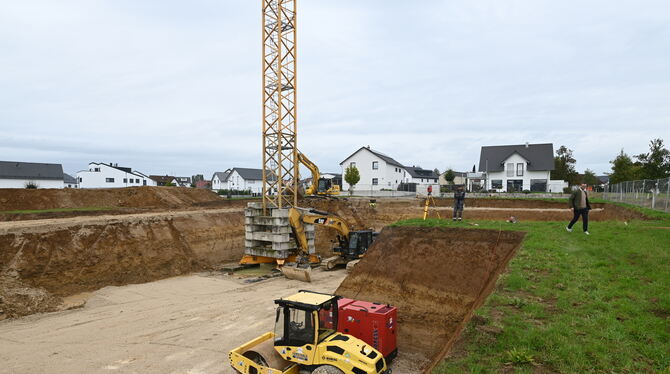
point(654, 164)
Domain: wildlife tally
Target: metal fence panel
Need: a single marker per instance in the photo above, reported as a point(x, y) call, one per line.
point(648, 193)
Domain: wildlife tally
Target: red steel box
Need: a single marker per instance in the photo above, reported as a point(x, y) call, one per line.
point(373, 323)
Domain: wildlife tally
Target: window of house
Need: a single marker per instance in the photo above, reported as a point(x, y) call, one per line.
point(496, 184)
point(352, 164)
point(96, 169)
point(510, 169)
point(137, 180)
point(109, 180)
point(375, 181)
point(519, 169)
point(539, 185)
point(144, 182)
point(80, 179)
point(125, 180)
point(375, 165)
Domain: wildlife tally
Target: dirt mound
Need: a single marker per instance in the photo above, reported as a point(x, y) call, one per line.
point(130, 197)
point(67, 256)
point(18, 299)
point(436, 277)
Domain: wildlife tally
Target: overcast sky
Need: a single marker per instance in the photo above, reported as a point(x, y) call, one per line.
point(174, 87)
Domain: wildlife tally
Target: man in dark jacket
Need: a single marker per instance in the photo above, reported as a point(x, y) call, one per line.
point(579, 201)
point(459, 203)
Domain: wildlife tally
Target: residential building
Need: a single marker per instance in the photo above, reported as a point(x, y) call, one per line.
point(517, 168)
point(239, 179)
point(15, 174)
point(70, 181)
point(165, 180)
point(203, 184)
point(101, 175)
point(379, 171)
point(183, 181)
point(419, 179)
point(220, 180)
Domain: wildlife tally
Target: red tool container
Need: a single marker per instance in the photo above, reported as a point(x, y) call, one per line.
point(373, 323)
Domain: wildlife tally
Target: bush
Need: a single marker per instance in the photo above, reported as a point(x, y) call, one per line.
point(567, 190)
point(526, 191)
point(520, 357)
point(225, 192)
point(31, 185)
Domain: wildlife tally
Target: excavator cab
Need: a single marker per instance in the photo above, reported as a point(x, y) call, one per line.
point(358, 244)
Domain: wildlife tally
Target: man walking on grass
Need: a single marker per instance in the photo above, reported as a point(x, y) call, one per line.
point(459, 203)
point(579, 201)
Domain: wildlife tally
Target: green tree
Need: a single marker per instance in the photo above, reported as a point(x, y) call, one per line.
point(624, 169)
point(656, 163)
point(352, 176)
point(449, 175)
point(590, 178)
point(564, 166)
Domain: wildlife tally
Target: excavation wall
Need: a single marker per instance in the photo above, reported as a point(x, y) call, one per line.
point(436, 277)
point(71, 255)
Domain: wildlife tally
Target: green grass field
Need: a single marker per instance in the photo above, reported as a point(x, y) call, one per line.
point(572, 303)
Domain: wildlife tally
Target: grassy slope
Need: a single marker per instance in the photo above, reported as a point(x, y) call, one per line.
point(572, 303)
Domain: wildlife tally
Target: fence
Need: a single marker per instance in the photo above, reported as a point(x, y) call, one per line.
point(401, 190)
point(648, 193)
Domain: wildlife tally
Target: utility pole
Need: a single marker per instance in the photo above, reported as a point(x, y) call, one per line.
point(280, 156)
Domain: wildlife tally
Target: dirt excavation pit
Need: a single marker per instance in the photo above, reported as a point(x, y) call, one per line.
point(437, 277)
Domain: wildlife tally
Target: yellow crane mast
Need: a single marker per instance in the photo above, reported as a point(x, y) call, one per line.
point(280, 132)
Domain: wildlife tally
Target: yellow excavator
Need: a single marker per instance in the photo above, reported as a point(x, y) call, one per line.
point(306, 336)
point(351, 245)
point(320, 186)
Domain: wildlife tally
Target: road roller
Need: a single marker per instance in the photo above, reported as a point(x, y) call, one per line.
point(306, 337)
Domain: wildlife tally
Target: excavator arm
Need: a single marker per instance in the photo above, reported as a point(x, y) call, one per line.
point(298, 218)
point(316, 175)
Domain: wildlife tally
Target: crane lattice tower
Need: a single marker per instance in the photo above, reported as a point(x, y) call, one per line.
point(280, 159)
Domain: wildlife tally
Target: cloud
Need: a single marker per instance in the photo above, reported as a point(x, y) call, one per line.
point(171, 87)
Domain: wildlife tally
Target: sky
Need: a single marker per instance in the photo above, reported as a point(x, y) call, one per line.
point(174, 87)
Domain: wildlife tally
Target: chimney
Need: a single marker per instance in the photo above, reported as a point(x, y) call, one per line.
point(368, 146)
point(527, 144)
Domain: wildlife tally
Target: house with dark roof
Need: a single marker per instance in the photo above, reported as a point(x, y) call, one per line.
point(220, 180)
point(379, 171)
point(101, 175)
point(239, 179)
point(516, 168)
point(70, 181)
point(14, 174)
point(165, 180)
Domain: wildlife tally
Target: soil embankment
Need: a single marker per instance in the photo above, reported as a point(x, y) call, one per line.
point(436, 277)
point(71, 255)
point(131, 197)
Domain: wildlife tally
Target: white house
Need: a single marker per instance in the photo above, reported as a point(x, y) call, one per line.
point(21, 174)
point(220, 180)
point(239, 179)
point(381, 172)
point(70, 181)
point(377, 170)
point(422, 178)
point(101, 175)
point(516, 168)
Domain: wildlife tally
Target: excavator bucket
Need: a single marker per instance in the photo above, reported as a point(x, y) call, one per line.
point(298, 272)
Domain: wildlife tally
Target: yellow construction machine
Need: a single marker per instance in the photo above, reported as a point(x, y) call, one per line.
point(320, 186)
point(351, 245)
point(305, 336)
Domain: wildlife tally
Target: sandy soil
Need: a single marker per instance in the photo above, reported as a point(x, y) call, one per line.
point(177, 325)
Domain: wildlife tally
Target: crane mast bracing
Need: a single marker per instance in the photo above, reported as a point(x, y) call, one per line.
point(280, 152)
